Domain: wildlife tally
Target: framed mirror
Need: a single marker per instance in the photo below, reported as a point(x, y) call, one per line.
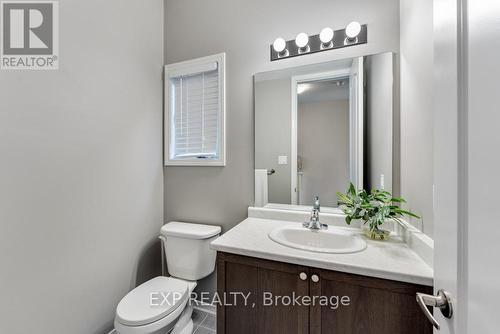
point(320, 127)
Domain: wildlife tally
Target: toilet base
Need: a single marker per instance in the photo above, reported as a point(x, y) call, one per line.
point(184, 324)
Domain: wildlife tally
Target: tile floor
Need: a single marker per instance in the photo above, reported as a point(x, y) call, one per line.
point(204, 323)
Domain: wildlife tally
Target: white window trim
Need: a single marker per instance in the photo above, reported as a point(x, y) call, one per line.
point(187, 66)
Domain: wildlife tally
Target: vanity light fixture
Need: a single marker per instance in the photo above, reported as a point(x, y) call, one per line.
point(279, 46)
point(302, 41)
point(352, 31)
point(327, 39)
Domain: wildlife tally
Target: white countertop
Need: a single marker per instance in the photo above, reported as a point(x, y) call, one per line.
point(391, 259)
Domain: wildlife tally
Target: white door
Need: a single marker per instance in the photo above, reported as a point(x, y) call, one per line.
point(483, 167)
point(356, 122)
point(446, 164)
point(467, 163)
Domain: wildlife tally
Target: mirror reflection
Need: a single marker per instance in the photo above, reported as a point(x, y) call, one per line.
point(322, 139)
point(320, 127)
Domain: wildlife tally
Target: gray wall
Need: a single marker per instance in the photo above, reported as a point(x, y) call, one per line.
point(273, 130)
point(244, 30)
point(81, 187)
point(379, 121)
point(416, 110)
point(323, 144)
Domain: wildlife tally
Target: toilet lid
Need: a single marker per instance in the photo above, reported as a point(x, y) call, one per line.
point(151, 301)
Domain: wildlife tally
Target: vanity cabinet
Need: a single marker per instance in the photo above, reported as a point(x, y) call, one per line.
point(254, 278)
point(259, 297)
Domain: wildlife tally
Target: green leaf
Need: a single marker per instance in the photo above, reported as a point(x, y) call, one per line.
point(373, 207)
point(352, 190)
point(408, 213)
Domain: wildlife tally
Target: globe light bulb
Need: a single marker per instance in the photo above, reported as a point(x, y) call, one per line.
point(301, 40)
point(326, 35)
point(352, 30)
point(279, 45)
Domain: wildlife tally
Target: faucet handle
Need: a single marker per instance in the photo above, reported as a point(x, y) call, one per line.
point(315, 215)
point(316, 205)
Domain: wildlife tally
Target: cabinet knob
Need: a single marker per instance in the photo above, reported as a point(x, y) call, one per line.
point(303, 276)
point(315, 278)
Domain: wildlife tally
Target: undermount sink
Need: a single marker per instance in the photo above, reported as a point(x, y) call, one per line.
point(333, 240)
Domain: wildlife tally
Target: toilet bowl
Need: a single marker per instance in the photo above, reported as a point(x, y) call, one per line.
point(161, 305)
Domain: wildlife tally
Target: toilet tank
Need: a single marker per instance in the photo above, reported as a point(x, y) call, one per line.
point(187, 249)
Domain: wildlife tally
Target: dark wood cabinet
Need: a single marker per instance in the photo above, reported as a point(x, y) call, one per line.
point(247, 285)
point(377, 306)
point(271, 297)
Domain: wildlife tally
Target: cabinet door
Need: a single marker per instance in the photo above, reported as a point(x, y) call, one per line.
point(272, 287)
point(376, 306)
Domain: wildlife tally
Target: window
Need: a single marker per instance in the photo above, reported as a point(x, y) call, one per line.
point(195, 112)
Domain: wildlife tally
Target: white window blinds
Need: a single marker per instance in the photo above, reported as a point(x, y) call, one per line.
point(195, 114)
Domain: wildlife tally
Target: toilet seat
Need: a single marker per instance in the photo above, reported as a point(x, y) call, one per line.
point(152, 301)
point(162, 305)
point(164, 325)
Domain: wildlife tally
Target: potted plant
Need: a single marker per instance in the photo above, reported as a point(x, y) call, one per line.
point(373, 208)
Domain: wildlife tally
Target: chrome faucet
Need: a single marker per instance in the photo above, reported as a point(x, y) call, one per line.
point(314, 224)
point(316, 205)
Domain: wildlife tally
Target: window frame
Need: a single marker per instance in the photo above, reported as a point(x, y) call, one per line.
point(188, 66)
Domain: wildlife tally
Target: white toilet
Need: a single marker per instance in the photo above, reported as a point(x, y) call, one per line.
point(189, 258)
